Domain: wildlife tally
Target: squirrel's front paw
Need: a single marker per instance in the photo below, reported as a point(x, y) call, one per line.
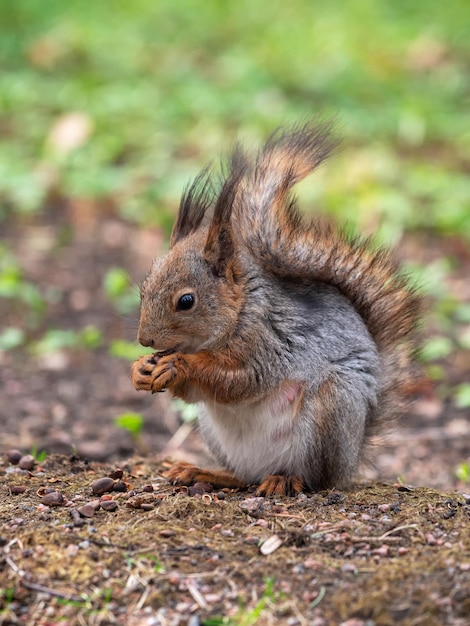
point(168, 373)
point(142, 370)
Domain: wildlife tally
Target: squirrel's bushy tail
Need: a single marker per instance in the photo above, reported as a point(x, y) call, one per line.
point(297, 250)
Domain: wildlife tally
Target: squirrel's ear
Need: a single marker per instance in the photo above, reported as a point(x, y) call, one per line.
point(196, 199)
point(219, 249)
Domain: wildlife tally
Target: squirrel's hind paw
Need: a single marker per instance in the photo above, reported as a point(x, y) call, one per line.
point(186, 474)
point(274, 485)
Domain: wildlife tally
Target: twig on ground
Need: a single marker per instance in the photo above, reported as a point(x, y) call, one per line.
point(32, 586)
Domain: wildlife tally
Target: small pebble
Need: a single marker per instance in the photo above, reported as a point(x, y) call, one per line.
point(252, 505)
point(17, 489)
point(204, 487)
point(167, 532)
point(251, 540)
point(102, 485)
point(109, 505)
point(72, 549)
point(14, 456)
point(87, 510)
point(76, 518)
point(147, 488)
point(261, 522)
point(312, 564)
point(18, 521)
point(120, 485)
point(381, 551)
point(349, 567)
point(27, 462)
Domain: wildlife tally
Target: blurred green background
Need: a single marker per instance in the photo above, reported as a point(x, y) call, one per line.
point(125, 100)
point(121, 102)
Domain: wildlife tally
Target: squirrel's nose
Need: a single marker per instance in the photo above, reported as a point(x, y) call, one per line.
point(145, 341)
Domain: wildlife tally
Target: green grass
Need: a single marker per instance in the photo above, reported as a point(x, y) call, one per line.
point(164, 86)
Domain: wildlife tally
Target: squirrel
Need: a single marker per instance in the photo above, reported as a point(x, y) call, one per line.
point(296, 340)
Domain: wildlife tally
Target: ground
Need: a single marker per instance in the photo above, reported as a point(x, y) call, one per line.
point(376, 554)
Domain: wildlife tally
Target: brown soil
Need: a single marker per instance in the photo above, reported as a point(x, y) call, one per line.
point(376, 554)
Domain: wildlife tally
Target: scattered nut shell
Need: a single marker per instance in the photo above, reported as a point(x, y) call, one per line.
point(117, 474)
point(270, 545)
point(136, 502)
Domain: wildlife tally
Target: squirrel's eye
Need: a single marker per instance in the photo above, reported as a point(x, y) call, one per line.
point(186, 302)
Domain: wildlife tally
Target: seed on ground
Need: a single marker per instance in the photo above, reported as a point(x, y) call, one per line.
point(14, 456)
point(102, 485)
point(109, 505)
point(55, 498)
point(27, 462)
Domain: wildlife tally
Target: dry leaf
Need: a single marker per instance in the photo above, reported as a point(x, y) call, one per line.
point(69, 132)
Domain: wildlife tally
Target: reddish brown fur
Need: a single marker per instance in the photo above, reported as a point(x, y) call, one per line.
point(187, 474)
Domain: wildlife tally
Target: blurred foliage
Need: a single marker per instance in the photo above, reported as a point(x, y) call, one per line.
point(127, 350)
point(462, 472)
point(188, 412)
point(57, 339)
point(127, 103)
point(14, 287)
point(119, 290)
point(132, 422)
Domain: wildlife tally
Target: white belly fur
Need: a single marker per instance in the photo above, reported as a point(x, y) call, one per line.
point(257, 439)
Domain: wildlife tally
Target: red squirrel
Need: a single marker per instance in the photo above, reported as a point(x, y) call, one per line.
point(296, 340)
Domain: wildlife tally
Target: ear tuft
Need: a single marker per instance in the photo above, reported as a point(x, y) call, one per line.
point(197, 198)
point(219, 249)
